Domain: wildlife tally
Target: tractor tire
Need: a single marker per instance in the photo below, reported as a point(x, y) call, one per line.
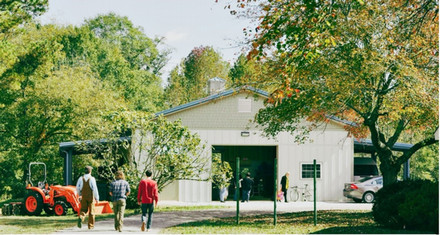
point(6, 210)
point(49, 210)
point(17, 209)
point(60, 208)
point(33, 203)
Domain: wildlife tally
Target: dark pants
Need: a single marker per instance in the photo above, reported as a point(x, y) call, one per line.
point(285, 194)
point(147, 208)
point(246, 195)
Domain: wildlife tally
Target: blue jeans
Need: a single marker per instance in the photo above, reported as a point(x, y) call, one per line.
point(147, 208)
point(246, 195)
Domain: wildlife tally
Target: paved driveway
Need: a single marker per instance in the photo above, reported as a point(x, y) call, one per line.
point(162, 220)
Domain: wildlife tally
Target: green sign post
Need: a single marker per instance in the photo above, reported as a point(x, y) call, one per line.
point(237, 189)
point(275, 187)
point(315, 217)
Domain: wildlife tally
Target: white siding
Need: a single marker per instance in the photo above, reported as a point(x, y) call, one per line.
point(221, 123)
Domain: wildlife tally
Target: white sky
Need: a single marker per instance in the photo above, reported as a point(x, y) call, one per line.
point(185, 24)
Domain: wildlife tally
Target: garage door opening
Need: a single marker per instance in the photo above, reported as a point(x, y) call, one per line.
point(258, 160)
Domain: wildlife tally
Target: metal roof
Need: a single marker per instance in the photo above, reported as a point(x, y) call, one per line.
point(211, 98)
point(66, 146)
point(366, 146)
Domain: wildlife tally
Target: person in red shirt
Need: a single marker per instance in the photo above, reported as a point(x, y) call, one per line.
point(147, 198)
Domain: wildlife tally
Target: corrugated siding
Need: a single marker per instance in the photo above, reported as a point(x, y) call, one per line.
point(220, 123)
point(220, 114)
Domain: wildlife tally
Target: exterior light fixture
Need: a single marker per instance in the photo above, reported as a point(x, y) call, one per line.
point(245, 134)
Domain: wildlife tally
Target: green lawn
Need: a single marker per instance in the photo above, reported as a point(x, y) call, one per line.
point(329, 222)
point(333, 222)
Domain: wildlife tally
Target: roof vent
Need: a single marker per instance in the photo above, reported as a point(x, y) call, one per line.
point(216, 85)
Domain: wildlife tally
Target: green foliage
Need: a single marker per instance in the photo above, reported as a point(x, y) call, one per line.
point(16, 12)
point(221, 172)
point(373, 64)
point(165, 147)
point(248, 71)
point(408, 205)
point(188, 81)
point(425, 164)
point(138, 50)
point(58, 84)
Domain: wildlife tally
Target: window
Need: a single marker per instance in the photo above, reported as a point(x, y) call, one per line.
point(244, 105)
point(307, 171)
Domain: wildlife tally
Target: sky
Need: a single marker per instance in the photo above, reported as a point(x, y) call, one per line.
point(184, 24)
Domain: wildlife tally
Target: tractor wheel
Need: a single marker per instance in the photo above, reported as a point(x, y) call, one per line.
point(60, 208)
point(33, 203)
point(49, 210)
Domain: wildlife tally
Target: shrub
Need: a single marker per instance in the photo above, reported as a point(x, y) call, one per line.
point(409, 205)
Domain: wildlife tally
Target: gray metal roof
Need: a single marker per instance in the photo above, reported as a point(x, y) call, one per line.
point(73, 146)
point(366, 146)
point(211, 98)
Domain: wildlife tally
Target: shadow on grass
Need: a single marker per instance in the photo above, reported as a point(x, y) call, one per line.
point(366, 230)
point(329, 222)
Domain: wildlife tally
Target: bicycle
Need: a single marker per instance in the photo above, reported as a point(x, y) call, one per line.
point(295, 192)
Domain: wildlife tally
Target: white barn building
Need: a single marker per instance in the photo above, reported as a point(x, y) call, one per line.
point(224, 123)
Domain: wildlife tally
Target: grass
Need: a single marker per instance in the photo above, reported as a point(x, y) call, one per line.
point(329, 222)
point(48, 224)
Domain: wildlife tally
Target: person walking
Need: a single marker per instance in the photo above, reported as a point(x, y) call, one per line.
point(119, 190)
point(88, 195)
point(246, 186)
point(285, 185)
point(147, 198)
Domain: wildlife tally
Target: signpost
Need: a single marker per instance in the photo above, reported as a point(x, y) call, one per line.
point(314, 193)
point(237, 189)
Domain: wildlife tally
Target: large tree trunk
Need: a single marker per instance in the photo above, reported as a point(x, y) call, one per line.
point(389, 172)
point(388, 166)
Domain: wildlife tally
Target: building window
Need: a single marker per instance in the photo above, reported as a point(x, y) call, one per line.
point(307, 171)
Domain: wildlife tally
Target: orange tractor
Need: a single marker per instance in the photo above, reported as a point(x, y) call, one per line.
point(54, 199)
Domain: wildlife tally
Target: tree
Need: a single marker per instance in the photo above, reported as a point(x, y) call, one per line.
point(247, 72)
point(221, 172)
point(374, 64)
point(167, 148)
point(43, 103)
point(16, 12)
point(189, 81)
point(134, 59)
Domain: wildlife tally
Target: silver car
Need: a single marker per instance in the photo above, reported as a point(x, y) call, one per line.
point(364, 190)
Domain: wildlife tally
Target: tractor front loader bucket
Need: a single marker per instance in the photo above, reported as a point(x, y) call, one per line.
point(103, 207)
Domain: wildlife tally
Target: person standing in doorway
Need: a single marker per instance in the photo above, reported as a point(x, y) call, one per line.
point(88, 195)
point(147, 198)
point(246, 185)
point(285, 184)
point(119, 190)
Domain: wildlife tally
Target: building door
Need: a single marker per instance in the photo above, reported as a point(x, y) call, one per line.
point(258, 160)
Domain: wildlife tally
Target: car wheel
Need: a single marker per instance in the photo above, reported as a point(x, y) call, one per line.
point(368, 197)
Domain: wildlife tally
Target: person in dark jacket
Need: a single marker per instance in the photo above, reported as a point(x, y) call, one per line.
point(285, 185)
point(246, 186)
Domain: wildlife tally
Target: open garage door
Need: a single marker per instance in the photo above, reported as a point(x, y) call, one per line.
point(258, 160)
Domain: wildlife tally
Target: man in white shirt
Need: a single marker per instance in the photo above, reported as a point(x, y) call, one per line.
point(88, 194)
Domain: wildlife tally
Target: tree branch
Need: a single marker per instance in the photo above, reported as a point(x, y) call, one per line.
point(407, 155)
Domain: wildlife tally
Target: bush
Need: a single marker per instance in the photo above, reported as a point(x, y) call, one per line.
point(409, 205)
